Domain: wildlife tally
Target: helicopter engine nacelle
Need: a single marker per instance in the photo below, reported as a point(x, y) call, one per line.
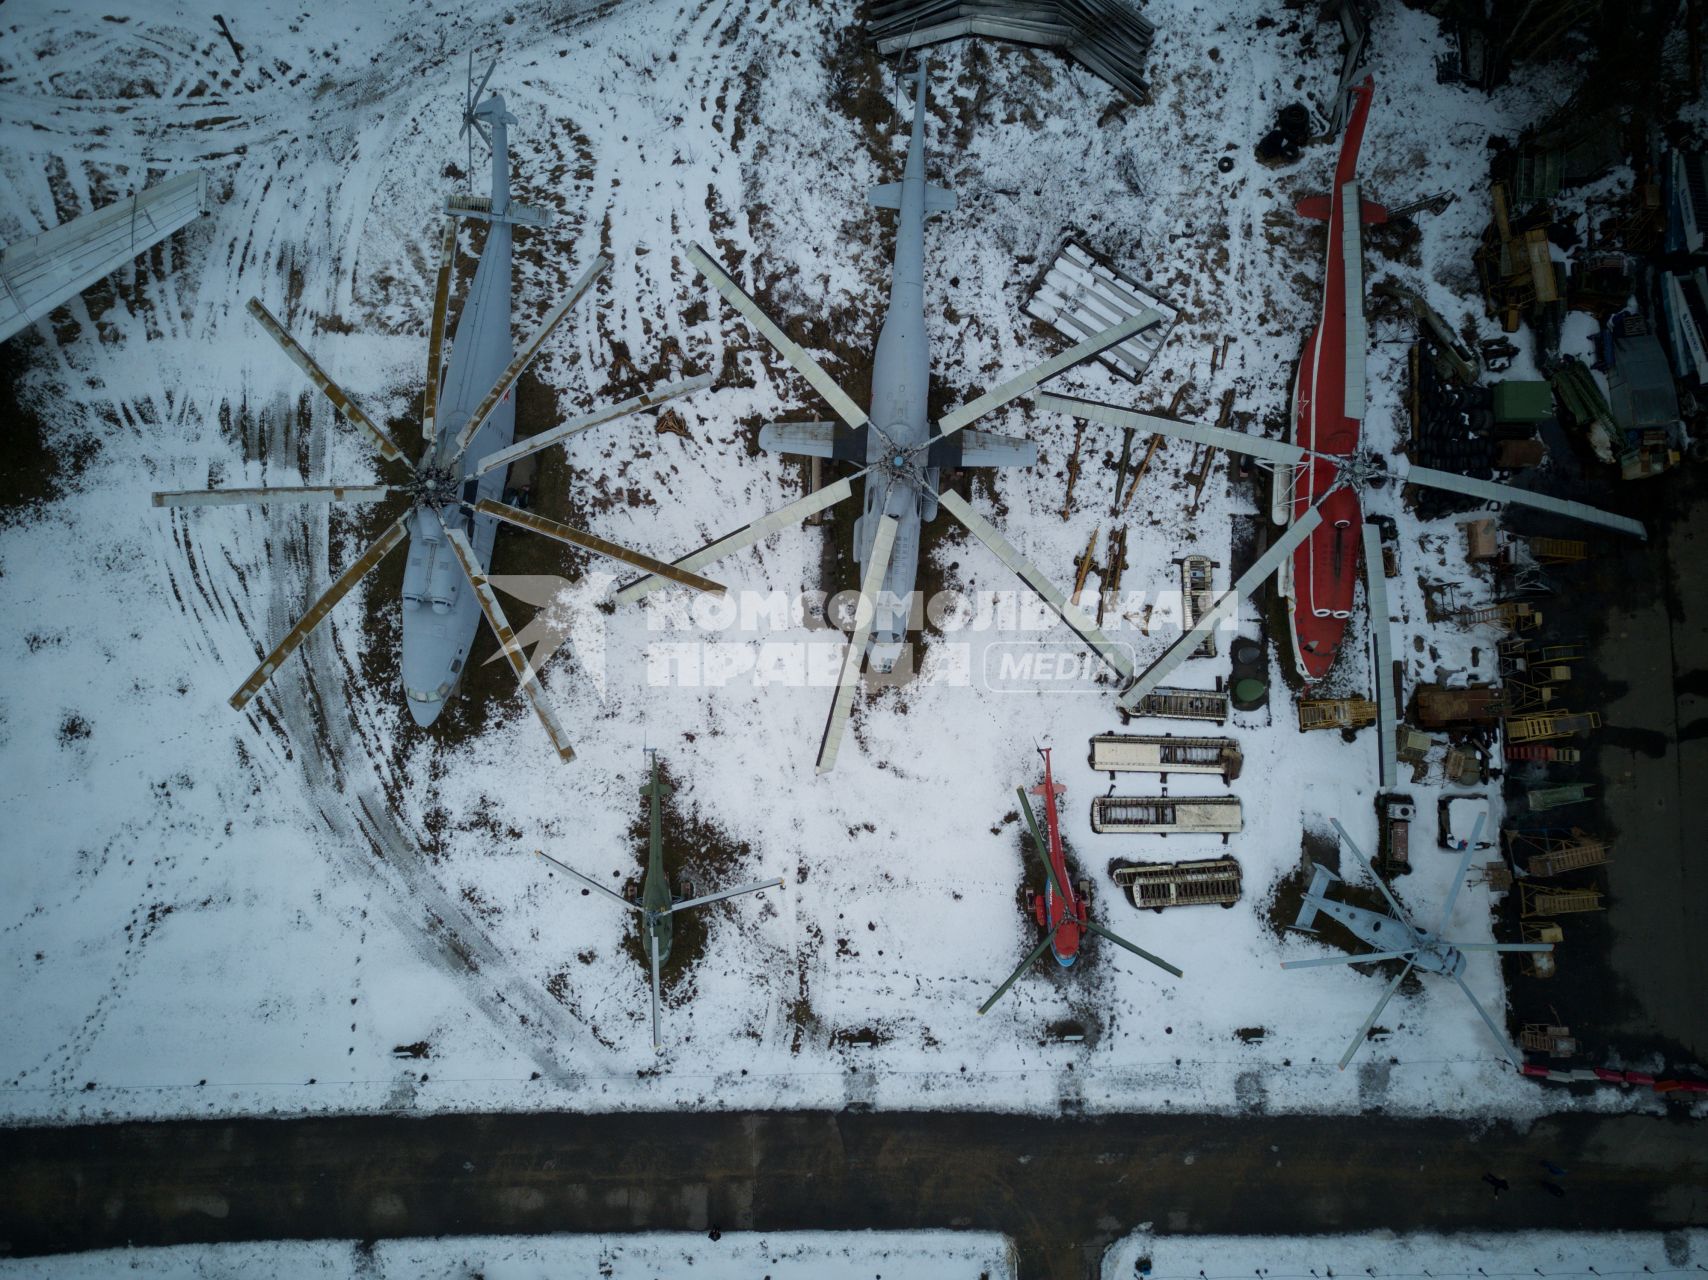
point(444, 579)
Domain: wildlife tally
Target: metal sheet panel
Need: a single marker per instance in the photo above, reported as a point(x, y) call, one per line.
point(40, 273)
point(1276, 451)
point(557, 435)
point(1019, 385)
point(793, 352)
point(1352, 262)
point(1082, 626)
point(865, 613)
point(1381, 638)
point(745, 536)
point(1187, 645)
point(1492, 492)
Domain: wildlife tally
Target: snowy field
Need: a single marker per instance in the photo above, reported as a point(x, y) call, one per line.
point(1382, 1254)
point(788, 1255)
point(211, 913)
point(898, 1255)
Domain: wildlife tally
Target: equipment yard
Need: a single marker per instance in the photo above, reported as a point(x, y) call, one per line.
point(1272, 483)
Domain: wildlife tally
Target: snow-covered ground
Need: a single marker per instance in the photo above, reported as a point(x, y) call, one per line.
point(787, 1255)
point(1382, 1254)
point(902, 1255)
point(207, 912)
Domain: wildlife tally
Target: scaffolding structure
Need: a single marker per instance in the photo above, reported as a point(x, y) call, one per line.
point(1536, 901)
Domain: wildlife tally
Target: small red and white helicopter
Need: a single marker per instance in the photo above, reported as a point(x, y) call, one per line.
point(1058, 910)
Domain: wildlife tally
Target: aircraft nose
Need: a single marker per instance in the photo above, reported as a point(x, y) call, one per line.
point(425, 713)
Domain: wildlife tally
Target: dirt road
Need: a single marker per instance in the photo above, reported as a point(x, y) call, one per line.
point(1062, 1189)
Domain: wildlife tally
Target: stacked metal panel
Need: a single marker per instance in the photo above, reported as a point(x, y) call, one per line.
point(38, 274)
point(1107, 37)
point(1080, 296)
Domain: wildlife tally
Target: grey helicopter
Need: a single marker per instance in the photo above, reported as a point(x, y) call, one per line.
point(1395, 937)
point(899, 454)
point(455, 489)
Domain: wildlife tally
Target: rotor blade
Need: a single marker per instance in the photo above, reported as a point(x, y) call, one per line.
point(557, 435)
point(805, 365)
point(746, 536)
point(589, 881)
point(523, 359)
point(1491, 492)
point(657, 1040)
point(1324, 961)
point(525, 674)
point(1226, 606)
point(1459, 879)
point(295, 493)
point(436, 332)
point(1363, 1031)
point(1376, 600)
point(474, 98)
point(333, 392)
point(382, 545)
point(755, 887)
point(1393, 902)
point(594, 543)
point(1038, 845)
point(1014, 977)
point(1277, 451)
point(1019, 385)
point(1109, 936)
point(1512, 1055)
point(1082, 626)
point(1532, 947)
point(865, 613)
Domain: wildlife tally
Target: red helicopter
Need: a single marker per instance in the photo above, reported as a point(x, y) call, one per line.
point(1058, 910)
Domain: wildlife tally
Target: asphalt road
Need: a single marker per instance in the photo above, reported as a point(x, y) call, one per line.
point(1061, 1189)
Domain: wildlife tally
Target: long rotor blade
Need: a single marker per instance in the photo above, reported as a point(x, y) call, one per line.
point(557, 435)
point(525, 674)
point(1014, 977)
point(1533, 947)
point(865, 614)
point(746, 536)
point(589, 881)
point(1226, 606)
point(1363, 1031)
point(1491, 492)
point(436, 332)
point(474, 98)
point(332, 391)
point(1324, 961)
point(1277, 451)
point(382, 546)
point(523, 359)
point(1110, 936)
point(594, 543)
point(1019, 385)
point(1393, 902)
point(1459, 879)
point(1112, 654)
point(657, 1039)
point(1512, 1055)
point(804, 364)
point(1038, 845)
point(701, 901)
point(1376, 599)
point(295, 493)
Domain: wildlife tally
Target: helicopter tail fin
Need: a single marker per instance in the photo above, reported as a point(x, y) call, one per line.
point(887, 195)
point(1320, 877)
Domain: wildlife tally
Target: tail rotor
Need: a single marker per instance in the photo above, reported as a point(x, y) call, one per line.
point(473, 124)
